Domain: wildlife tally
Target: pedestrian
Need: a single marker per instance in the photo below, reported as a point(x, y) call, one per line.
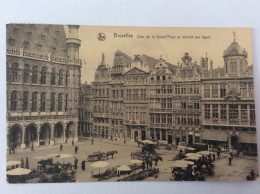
point(72, 142)
point(13, 149)
point(218, 153)
point(61, 146)
point(92, 141)
point(22, 163)
point(252, 174)
point(83, 165)
point(229, 158)
point(76, 163)
point(32, 147)
point(214, 157)
point(76, 149)
point(143, 165)
point(10, 149)
point(118, 171)
point(124, 141)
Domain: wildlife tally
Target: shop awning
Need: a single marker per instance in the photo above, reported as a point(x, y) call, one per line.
point(214, 136)
point(247, 138)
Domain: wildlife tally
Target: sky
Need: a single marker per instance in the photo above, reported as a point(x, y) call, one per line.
point(171, 48)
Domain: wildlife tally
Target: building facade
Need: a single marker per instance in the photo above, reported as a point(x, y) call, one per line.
point(43, 82)
point(228, 103)
point(85, 110)
point(145, 98)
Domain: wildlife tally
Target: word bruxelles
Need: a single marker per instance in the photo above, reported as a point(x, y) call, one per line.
point(123, 35)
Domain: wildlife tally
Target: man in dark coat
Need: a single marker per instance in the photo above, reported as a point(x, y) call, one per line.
point(76, 163)
point(143, 165)
point(230, 159)
point(61, 146)
point(83, 165)
point(76, 149)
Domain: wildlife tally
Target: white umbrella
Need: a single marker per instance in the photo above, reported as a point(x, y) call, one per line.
point(41, 157)
point(193, 154)
point(205, 152)
point(63, 156)
point(99, 164)
point(13, 163)
point(135, 161)
point(148, 142)
point(52, 155)
point(18, 171)
point(124, 168)
point(181, 163)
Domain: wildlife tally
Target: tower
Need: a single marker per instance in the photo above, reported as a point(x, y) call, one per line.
point(235, 59)
point(73, 42)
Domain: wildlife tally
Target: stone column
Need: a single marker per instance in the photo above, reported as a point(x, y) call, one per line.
point(52, 135)
point(248, 114)
point(76, 133)
point(38, 139)
point(239, 114)
point(23, 146)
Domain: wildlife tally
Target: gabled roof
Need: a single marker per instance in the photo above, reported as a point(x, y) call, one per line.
point(135, 71)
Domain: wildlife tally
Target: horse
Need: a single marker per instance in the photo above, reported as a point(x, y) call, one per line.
point(111, 153)
point(156, 158)
point(139, 143)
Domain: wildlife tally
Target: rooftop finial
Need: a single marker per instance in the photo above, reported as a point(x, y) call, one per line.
point(234, 34)
point(103, 57)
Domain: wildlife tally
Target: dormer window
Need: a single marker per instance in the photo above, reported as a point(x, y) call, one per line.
point(158, 77)
point(11, 41)
point(163, 77)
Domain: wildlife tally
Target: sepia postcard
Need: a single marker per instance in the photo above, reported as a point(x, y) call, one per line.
point(101, 103)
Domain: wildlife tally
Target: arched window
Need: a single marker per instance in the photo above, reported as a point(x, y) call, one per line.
point(13, 101)
point(26, 73)
point(43, 101)
point(60, 102)
point(34, 101)
point(53, 76)
point(66, 102)
point(60, 77)
point(34, 75)
point(52, 102)
point(25, 101)
point(67, 78)
point(43, 75)
point(14, 72)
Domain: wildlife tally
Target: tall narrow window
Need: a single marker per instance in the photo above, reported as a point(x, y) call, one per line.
point(223, 111)
point(43, 75)
point(214, 111)
point(34, 101)
point(13, 101)
point(52, 102)
point(26, 73)
point(43, 102)
point(60, 102)
point(244, 112)
point(34, 75)
point(214, 90)
point(67, 78)
point(252, 114)
point(60, 82)
point(207, 91)
point(251, 90)
point(243, 89)
point(233, 112)
point(207, 111)
point(53, 76)
point(25, 101)
point(222, 90)
point(66, 102)
point(14, 72)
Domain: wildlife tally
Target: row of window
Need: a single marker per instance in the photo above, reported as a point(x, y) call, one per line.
point(35, 98)
point(27, 71)
point(136, 95)
point(175, 89)
point(180, 119)
point(136, 113)
point(233, 112)
point(245, 91)
point(163, 103)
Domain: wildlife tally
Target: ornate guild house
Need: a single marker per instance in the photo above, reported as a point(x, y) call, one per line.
point(144, 98)
point(43, 82)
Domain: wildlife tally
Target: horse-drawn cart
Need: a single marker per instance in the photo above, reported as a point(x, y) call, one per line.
point(97, 156)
